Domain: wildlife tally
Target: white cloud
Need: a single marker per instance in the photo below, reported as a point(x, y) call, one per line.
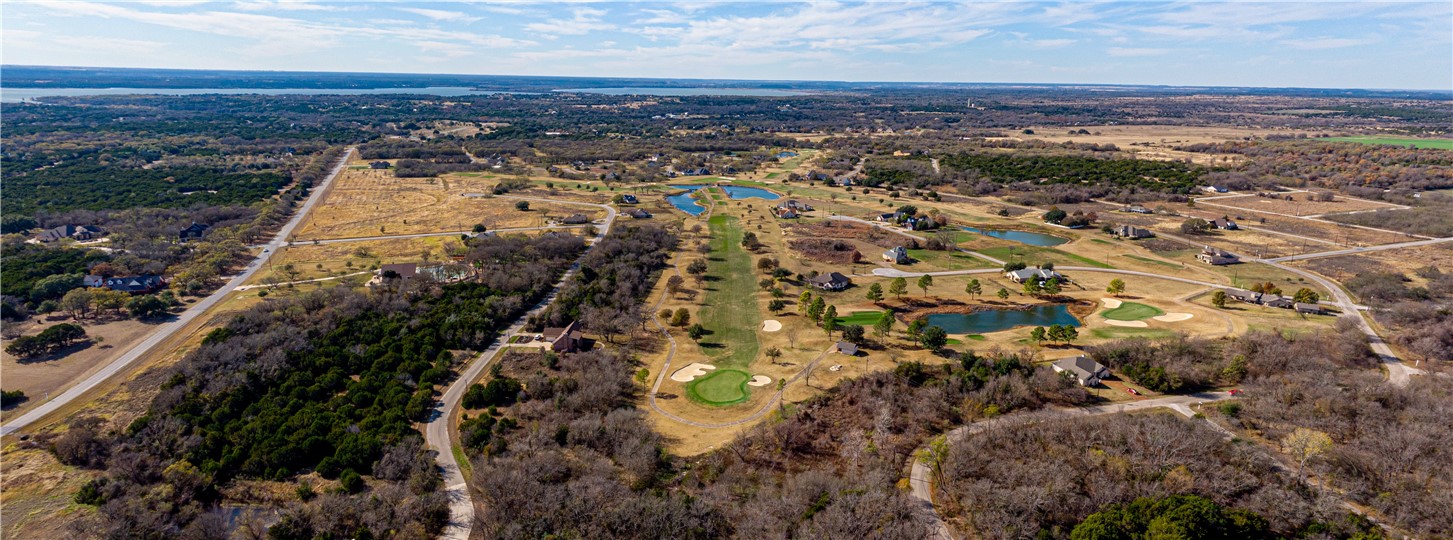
point(1313, 44)
point(280, 5)
point(1135, 51)
point(583, 21)
point(441, 15)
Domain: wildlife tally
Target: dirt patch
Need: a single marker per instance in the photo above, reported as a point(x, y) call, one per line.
point(845, 231)
point(828, 250)
point(1299, 205)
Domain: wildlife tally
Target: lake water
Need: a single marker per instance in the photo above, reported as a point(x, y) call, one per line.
point(744, 192)
point(984, 322)
point(685, 203)
point(648, 91)
point(15, 95)
point(1033, 239)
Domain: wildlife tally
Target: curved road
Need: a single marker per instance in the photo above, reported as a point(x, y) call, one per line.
point(165, 331)
point(437, 432)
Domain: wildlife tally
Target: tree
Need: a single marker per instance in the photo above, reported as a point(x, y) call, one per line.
point(814, 310)
point(1051, 286)
point(1031, 287)
point(1218, 299)
point(1003, 293)
point(829, 324)
point(766, 283)
point(696, 331)
point(925, 282)
point(1306, 296)
point(674, 283)
point(915, 328)
point(804, 301)
point(1016, 265)
point(776, 305)
point(54, 286)
point(681, 317)
point(1055, 215)
point(1117, 287)
point(933, 338)
point(1304, 444)
point(109, 300)
point(1037, 335)
point(853, 333)
point(479, 228)
point(696, 267)
point(766, 264)
point(884, 324)
point(9, 398)
point(875, 293)
point(897, 287)
point(830, 313)
point(78, 302)
point(146, 306)
point(774, 353)
point(1195, 226)
point(749, 240)
point(522, 206)
point(974, 288)
point(1270, 288)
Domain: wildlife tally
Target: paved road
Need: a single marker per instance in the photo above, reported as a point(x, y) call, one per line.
point(437, 430)
point(1353, 251)
point(165, 331)
point(920, 476)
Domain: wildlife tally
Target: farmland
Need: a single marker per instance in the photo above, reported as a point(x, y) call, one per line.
point(1441, 144)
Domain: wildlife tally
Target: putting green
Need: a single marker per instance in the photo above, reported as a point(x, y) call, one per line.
point(725, 387)
point(1131, 311)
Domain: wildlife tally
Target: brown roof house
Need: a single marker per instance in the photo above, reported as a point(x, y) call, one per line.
point(831, 281)
point(566, 339)
point(73, 232)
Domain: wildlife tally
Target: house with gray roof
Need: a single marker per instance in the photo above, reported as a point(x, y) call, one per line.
point(1085, 371)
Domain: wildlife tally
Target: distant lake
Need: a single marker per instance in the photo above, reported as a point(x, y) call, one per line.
point(745, 192)
point(1033, 239)
point(16, 95)
point(681, 91)
point(685, 202)
point(995, 320)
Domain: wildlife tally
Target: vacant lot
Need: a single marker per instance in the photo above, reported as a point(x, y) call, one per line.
point(1300, 205)
point(1444, 144)
point(52, 374)
point(1153, 142)
point(330, 260)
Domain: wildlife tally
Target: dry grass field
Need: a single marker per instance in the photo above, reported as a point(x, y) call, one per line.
point(52, 376)
point(332, 260)
point(1154, 141)
point(1300, 205)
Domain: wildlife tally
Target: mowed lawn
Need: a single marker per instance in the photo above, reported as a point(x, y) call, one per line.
point(1035, 255)
point(1442, 144)
point(721, 387)
point(730, 313)
point(1132, 311)
point(861, 318)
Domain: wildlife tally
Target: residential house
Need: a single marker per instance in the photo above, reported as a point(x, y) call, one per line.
point(379, 165)
point(73, 232)
point(1038, 274)
point(1087, 372)
point(787, 214)
point(1215, 189)
point(844, 347)
point(888, 217)
point(195, 231)
point(897, 255)
point(628, 199)
point(794, 204)
point(575, 219)
point(1137, 209)
point(567, 339)
point(637, 213)
point(1224, 224)
point(817, 176)
point(1216, 256)
point(831, 281)
point(786, 155)
point(1277, 301)
point(128, 284)
point(1244, 295)
point(393, 271)
point(1310, 309)
point(1131, 232)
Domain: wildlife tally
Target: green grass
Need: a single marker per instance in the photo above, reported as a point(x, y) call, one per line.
point(949, 260)
point(1154, 261)
point(1442, 144)
point(1132, 311)
point(722, 387)
point(861, 318)
point(1101, 241)
point(774, 176)
point(749, 183)
point(1034, 255)
point(730, 310)
point(1122, 332)
point(975, 337)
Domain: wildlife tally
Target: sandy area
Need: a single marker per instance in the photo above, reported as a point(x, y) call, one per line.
point(1173, 317)
point(1111, 303)
point(771, 325)
point(691, 372)
point(759, 380)
point(1131, 324)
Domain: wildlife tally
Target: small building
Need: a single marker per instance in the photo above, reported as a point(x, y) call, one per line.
point(1087, 372)
point(845, 347)
point(787, 214)
point(575, 219)
point(379, 165)
point(393, 271)
point(1037, 274)
point(637, 213)
point(888, 217)
point(1131, 232)
point(1224, 224)
point(1216, 256)
point(1244, 295)
point(195, 231)
point(1215, 189)
point(1277, 301)
point(628, 199)
point(143, 284)
point(897, 255)
point(816, 176)
point(831, 281)
point(1309, 309)
point(73, 232)
point(794, 204)
point(567, 339)
point(1137, 209)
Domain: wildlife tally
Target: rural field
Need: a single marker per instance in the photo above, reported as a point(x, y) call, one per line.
point(1442, 144)
point(1300, 205)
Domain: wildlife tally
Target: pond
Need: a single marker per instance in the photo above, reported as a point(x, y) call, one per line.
point(996, 320)
point(744, 192)
point(685, 202)
point(1023, 237)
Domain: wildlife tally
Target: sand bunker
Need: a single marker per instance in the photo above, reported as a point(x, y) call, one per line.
point(771, 325)
point(759, 380)
point(1113, 322)
point(1173, 317)
point(691, 372)
point(1111, 303)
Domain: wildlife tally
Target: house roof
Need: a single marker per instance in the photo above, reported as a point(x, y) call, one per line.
point(1082, 366)
point(847, 347)
point(1041, 273)
point(406, 270)
point(1303, 306)
point(830, 277)
point(1243, 294)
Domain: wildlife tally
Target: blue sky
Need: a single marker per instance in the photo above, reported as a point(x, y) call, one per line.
point(1322, 44)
